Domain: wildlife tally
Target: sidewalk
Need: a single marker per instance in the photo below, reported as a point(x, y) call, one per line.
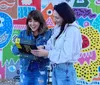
point(8, 82)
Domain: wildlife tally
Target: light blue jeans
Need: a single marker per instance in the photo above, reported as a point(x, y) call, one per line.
point(33, 75)
point(63, 74)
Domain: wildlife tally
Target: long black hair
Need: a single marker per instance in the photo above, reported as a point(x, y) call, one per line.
point(67, 13)
point(36, 15)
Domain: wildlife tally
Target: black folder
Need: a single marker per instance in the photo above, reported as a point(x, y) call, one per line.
point(24, 45)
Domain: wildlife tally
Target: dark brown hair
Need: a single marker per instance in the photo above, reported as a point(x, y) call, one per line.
point(66, 12)
point(36, 15)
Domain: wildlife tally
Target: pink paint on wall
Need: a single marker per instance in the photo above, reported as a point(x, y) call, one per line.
point(2, 71)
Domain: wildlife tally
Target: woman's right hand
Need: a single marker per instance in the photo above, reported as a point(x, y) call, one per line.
point(40, 52)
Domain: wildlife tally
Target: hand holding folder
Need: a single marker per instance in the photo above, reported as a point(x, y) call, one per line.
point(25, 46)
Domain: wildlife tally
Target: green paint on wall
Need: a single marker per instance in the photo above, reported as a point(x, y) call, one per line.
point(95, 8)
point(7, 53)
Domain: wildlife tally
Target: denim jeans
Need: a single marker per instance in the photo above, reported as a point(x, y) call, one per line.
point(63, 74)
point(34, 75)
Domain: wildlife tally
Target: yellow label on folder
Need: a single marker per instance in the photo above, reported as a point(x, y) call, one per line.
point(17, 42)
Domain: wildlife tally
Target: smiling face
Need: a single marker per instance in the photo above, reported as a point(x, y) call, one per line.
point(57, 18)
point(34, 25)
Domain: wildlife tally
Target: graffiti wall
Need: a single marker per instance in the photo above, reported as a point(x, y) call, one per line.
point(13, 14)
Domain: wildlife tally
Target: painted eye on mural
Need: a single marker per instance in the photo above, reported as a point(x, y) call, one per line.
point(85, 43)
point(49, 12)
point(12, 68)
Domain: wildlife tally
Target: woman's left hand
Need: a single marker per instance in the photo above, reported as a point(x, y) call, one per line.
point(40, 52)
point(40, 47)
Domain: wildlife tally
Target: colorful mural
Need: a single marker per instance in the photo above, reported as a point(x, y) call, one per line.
point(13, 15)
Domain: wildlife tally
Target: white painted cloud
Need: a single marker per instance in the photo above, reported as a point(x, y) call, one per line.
point(26, 2)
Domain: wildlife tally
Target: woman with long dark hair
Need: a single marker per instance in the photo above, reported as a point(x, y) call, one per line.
point(63, 48)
